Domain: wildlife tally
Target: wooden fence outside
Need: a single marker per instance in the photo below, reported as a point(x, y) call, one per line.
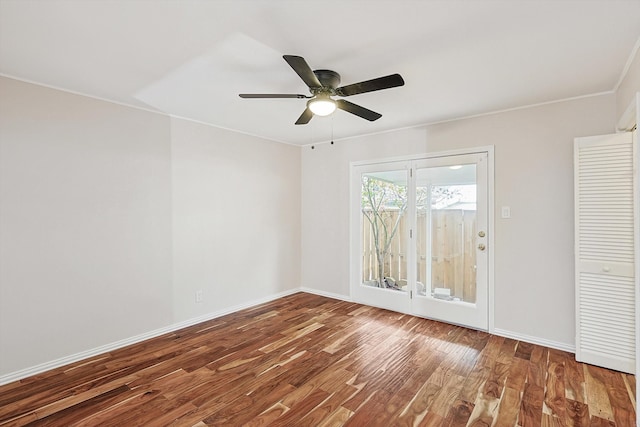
point(452, 255)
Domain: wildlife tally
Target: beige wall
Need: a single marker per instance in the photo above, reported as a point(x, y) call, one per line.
point(534, 287)
point(112, 217)
point(236, 218)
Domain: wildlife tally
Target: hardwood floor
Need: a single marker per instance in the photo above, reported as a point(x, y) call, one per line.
point(306, 360)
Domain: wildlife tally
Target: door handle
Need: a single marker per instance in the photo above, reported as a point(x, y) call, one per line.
point(482, 247)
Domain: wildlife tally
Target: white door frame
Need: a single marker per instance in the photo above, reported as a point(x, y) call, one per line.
point(354, 220)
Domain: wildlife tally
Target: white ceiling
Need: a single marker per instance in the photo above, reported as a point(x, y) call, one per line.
point(191, 58)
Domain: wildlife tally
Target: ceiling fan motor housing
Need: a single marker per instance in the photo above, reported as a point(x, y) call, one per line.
point(328, 78)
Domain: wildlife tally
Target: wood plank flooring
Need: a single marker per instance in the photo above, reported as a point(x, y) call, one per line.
point(306, 360)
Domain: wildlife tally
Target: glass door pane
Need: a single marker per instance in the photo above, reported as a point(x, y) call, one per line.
point(384, 223)
point(446, 225)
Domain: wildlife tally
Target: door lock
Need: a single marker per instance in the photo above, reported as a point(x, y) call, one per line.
point(482, 247)
point(481, 233)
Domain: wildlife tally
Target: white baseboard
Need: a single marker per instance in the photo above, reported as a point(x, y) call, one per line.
point(501, 332)
point(47, 366)
point(535, 340)
point(43, 367)
point(331, 295)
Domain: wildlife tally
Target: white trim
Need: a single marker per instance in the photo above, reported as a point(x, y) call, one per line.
point(86, 95)
point(472, 116)
point(437, 122)
point(491, 230)
point(57, 363)
point(331, 295)
point(253, 135)
point(458, 152)
point(535, 340)
point(148, 110)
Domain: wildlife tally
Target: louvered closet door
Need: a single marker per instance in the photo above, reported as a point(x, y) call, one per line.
point(605, 251)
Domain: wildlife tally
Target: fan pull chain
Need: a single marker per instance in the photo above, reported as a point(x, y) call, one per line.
point(331, 130)
point(312, 146)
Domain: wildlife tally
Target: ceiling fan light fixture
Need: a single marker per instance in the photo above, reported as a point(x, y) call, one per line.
point(322, 105)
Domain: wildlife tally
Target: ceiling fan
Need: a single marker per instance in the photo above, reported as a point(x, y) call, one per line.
point(323, 85)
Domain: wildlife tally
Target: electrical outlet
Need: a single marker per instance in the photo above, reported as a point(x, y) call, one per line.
point(506, 212)
point(199, 296)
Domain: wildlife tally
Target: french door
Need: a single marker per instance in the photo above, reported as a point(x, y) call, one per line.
point(420, 237)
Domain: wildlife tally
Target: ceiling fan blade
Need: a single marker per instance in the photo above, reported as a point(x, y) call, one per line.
point(352, 108)
point(386, 82)
point(305, 72)
point(271, 95)
point(305, 117)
